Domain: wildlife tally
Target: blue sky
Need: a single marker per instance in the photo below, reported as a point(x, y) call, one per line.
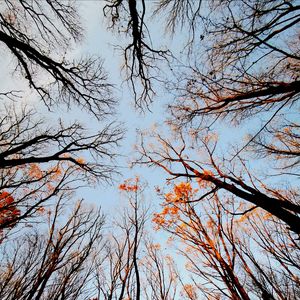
point(100, 42)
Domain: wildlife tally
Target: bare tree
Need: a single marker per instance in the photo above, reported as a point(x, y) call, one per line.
point(185, 15)
point(55, 262)
point(119, 275)
point(161, 274)
point(37, 35)
point(170, 158)
point(38, 162)
point(230, 254)
point(140, 57)
point(238, 39)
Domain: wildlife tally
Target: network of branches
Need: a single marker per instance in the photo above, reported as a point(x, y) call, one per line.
point(225, 221)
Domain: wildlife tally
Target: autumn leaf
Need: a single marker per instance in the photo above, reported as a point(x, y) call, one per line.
point(130, 185)
point(8, 211)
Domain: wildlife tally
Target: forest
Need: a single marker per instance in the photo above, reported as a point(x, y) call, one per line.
point(202, 202)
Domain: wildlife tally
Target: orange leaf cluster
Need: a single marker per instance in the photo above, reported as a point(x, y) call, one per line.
point(189, 291)
point(35, 171)
point(164, 219)
point(80, 160)
point(208, 172)
point(155, 246)
point(49, 176)
point(128, 188)
point(8, 210)
point(41, 210)
point(204, 183)
point(174, 203)
point(130, 185)
point(182, 193)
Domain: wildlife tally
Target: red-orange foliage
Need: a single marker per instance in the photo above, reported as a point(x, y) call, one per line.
point(174, 204)
point(8, 210)
point(130, 185)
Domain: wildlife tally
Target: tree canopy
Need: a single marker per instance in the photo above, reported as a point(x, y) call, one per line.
point(226, 148)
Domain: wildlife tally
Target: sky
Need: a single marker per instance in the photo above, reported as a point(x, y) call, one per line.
point(100, 42)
